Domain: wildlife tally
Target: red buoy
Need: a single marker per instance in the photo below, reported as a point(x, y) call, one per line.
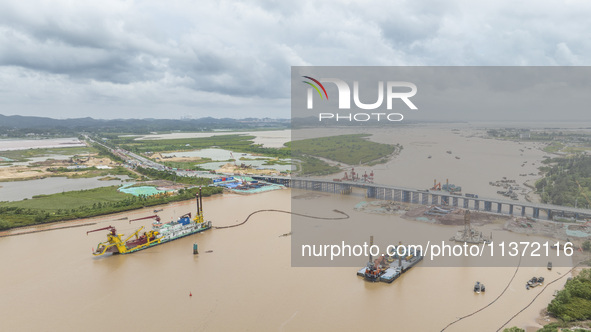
point(190, 294)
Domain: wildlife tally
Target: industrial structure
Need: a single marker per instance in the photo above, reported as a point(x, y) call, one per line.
point(417, 196)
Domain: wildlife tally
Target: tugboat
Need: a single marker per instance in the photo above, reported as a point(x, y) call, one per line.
point(478, 288)
point(160, 233)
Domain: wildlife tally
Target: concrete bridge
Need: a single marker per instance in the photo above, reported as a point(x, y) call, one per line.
point(430, 197)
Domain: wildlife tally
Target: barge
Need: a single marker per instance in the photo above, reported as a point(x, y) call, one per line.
point(382, 269)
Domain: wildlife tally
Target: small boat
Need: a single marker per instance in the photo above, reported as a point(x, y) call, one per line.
point(478, 287)
point(457, 157)
point(534, 282)
point(429, 157)
point(549, 265)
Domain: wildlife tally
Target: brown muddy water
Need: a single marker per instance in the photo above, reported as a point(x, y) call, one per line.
point(50, 281)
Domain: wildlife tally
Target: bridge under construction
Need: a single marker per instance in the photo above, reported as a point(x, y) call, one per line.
point(427, 197)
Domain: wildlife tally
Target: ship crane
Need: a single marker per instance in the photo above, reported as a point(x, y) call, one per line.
point(111, 228)
point(155, 217)
point(436, 186)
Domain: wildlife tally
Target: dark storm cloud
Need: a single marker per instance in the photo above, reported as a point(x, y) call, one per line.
point(233, 58)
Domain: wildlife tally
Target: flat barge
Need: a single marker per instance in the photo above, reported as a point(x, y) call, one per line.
point(388, 268)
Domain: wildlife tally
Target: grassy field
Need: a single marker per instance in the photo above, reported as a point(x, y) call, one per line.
point(238, 143)
point(315, 166)
point(70, 199)
point(553, 147)
point(83, 204)
point(347, 149)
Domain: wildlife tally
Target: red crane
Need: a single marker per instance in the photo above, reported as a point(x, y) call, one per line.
point(111, 228)
point(155, 217)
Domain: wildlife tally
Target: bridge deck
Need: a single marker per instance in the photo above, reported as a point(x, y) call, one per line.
point(427, 197)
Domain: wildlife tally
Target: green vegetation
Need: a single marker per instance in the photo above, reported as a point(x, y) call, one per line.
point(574, 301)
point(564, 327)
point(352, 149)
point(553, 147)
point(82, 204)
point(348, 149)
point(514, 329)
point(104, 152)
point(192, 165)
point(171, 176)
point(315, 166)
point(561, 182)
point(238, 143)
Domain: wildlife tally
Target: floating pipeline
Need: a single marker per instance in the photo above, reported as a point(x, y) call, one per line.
point(346, 216)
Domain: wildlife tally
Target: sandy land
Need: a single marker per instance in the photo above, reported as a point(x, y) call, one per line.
point(22, 173)
point(39, 170)
point(230, 168)
point(159, 157)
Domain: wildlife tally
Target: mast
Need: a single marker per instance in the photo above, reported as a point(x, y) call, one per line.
point(200, 202)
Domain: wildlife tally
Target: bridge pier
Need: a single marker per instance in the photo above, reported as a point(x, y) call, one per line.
point(389, 195)
point(415, 197)
point(405, 196)
point(394, 193)
point(425, 198)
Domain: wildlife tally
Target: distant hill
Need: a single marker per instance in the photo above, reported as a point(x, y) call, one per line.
point(17, 126)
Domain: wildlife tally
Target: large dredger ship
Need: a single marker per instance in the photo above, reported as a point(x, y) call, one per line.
point(160, 233)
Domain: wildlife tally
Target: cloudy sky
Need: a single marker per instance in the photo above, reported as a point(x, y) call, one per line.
point(168, 59)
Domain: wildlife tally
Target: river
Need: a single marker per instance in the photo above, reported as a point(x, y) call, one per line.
point(246, 283)
point(50, 281)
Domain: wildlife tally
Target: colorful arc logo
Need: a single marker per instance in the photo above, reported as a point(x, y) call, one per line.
point(316, 87)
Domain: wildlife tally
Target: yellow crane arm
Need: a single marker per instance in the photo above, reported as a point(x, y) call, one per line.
point(129, 237)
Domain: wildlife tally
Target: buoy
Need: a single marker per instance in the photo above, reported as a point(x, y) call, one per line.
point(190, 294)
